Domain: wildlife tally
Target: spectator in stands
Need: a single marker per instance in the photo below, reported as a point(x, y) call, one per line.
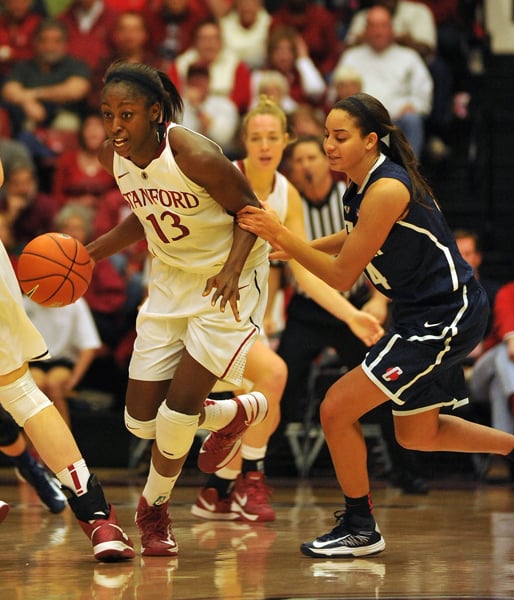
point(131, 39)
point(72, 339)
point(316, 25)
point(212, 115)
point(47, 93)
point(18, 24)
point(14, 153)
point(90, 25)
point(229, 76)
point(173, 23)
point(414, 27)
point(245, 31)
point(219, 8)
point(396, 75)
point(346, 81)
point(130, 43)
point(288, 54)
point(492, 378)
point(78, 175)
point(28, 211)
point(273, 83)
point(306, 120)
point(468, 243)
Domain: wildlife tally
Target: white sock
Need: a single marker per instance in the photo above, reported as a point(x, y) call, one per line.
point(75, 477)
point(218, 413)
point(158, 488)
point(252, 453)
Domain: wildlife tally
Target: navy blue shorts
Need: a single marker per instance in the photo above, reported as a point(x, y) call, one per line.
point(418, 363)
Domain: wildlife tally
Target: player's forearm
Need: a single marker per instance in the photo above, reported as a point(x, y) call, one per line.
point(124, 234)
point(324, 295)
point(242, 245)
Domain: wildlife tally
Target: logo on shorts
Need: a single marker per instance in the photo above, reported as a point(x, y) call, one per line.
point(392, 373)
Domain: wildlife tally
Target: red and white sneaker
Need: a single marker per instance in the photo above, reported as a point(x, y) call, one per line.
point(210, 506)
point(4, 509)
point(154, 524)
point(250, 498)
point(219, 447)
point(110, 542)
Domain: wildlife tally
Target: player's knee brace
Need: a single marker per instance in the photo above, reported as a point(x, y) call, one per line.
point(141, 429)
point(22, 399)
point(175, 432)
point(9, 431)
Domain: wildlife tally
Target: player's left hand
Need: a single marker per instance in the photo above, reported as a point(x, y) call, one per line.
point(226, 287)
point(366, 327)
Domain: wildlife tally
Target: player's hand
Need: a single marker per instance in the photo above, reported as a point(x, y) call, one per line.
point(366, 327)
point(278, 254)
point(226, 287)
point(263, 222)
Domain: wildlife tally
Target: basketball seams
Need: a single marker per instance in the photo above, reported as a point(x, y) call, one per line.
point(69, 260)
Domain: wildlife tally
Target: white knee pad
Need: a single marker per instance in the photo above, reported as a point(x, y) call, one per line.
point(175, 432)
point(22, 399)
point(141, 429)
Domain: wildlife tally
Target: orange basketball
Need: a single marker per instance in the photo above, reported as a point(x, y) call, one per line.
point(54, 269)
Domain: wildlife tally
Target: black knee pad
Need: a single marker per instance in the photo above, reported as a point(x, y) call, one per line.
point(9, 430)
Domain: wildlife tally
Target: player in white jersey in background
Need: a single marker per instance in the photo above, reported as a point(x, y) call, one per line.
point(238, 491)
point(183, 194)
point(43, 424)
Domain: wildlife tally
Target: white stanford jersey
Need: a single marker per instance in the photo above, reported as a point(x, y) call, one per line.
point(277, 199)
point(184, 226)
point(20, 340)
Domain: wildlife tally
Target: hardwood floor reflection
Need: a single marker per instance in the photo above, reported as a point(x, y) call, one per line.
point(451, 543)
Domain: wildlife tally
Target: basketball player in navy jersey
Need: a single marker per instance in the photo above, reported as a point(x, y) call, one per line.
point(396, 233)
point(183, 194)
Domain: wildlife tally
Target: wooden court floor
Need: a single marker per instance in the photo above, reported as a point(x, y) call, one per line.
point(451, 543)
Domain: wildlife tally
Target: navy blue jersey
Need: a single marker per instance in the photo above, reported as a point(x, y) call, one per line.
point(419, 263)
point(439, 309)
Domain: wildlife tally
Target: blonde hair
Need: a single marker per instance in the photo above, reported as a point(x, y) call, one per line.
point(266, 106)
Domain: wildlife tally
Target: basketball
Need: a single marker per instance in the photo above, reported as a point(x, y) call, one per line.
point(54, 269)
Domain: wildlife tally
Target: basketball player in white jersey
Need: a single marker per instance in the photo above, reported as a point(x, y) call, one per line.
point(238, 491)
point(43, 424)
point(183, 194)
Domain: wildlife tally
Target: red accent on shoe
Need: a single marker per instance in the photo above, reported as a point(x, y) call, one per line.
point(210, 506)
point(154, 524)
point(110, 542)
point(219, 447)
point(250, 498)
point(4, 509)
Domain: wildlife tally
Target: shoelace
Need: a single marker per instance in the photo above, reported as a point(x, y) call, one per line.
point(341, 518)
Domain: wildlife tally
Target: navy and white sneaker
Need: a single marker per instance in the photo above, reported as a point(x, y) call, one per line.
point(45, 483)
point(353, 536)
